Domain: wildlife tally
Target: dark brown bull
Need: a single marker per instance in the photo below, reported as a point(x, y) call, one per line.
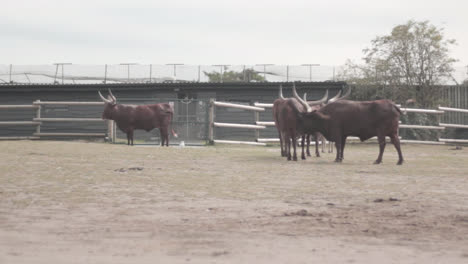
point(286, 123)
point(343, 118)
point(146, 117)
point(317, 135)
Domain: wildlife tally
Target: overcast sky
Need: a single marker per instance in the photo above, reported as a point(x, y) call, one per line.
point(213, 32)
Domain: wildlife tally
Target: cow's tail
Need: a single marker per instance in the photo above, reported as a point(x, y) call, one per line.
point(174, 134)
point(398, 109)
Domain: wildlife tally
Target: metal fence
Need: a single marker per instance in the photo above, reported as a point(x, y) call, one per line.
point(67, 73)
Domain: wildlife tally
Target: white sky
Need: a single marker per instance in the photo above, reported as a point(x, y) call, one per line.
point(213, 32)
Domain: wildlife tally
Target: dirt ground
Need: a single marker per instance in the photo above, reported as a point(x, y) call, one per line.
point(81, 202)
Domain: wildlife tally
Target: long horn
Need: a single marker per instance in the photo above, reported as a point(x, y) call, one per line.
point(281, 92)
point(348, 92)
point(321, 101)
point(304, 103)
point(104, 99)
point(113, 97)
point(335, 98)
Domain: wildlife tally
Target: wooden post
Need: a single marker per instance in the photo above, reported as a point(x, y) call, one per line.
point(38, 115)
point(110, 130)
point(256, 119)
point(211, 117)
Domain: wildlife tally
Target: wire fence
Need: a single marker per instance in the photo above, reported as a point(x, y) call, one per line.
point(66, 73)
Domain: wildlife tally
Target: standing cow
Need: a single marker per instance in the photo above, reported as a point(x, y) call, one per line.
point(343, 118)
point(317, 135)
point(286, 123)
point(131, 117)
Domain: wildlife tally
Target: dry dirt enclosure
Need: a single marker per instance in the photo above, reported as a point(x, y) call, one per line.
point(78, 202)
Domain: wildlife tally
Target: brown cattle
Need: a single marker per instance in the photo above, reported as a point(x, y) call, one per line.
point(343, 118)
point(286, 123)
point(146, 117)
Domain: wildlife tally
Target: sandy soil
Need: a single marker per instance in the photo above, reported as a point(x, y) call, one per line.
point(78, 202)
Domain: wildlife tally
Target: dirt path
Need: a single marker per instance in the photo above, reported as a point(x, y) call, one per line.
point(74, 202)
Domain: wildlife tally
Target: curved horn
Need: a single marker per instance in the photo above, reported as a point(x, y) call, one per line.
point(348, 92)
point(321, 101)
point(335, 98)
point(103, 98)
point(112, 96)
point(281, 92)
point(304, 103)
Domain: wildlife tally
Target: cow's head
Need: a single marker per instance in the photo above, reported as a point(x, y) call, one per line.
point(109, 105)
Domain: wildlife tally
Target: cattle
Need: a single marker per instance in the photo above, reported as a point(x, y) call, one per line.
point(317, 135)
point(146, 117)
point(286, 123)
point(277, 105)
point(338, 120)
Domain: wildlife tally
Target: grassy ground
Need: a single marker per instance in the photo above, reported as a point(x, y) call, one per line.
point(103, 203)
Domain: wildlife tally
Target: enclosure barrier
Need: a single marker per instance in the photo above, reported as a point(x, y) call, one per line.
point(38, 121)
point(19, 123)
point(448, 140)
point(441, 126)
point(38, 118)
point(213, 124)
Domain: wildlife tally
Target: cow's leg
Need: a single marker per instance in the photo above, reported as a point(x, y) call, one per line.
point(308, 145)
point(343, 143)
point(303, 142)
point(164, 137)
point(338, 149)
point(294, 144)
point(396, 142)
point(317, 152)
point(288, 147)
point(381, 139)
point(128, 138)
point(281, 144)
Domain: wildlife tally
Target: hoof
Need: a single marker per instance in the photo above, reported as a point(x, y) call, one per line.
point(377, 162)
point(400, 162)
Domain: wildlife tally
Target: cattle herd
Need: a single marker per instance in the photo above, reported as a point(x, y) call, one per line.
point(334, 119)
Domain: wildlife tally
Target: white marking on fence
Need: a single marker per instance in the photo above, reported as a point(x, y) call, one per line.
point(421, 142)
point(70, 134)
point(454, 125)
point(427, 111)
point(18, 106)
point(453, 140)
point(246, 107)
point(216, 124)
point(263, 105)
point(66, 103)
point(69, 119)
point(268, 140)
point(238, 142)
point(453, 109)
point(422, 127)
point(18, 138)
point(18, 123)
point(265, 123)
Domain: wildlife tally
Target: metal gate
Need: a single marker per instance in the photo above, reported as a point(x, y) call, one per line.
point(190, 122)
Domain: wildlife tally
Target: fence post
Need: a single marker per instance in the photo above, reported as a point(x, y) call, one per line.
point(256, 119)
point(110, 130)
point(211, 113)
point(38, 115)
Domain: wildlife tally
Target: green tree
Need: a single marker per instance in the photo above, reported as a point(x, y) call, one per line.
point(411, 62)
point(231, 76)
